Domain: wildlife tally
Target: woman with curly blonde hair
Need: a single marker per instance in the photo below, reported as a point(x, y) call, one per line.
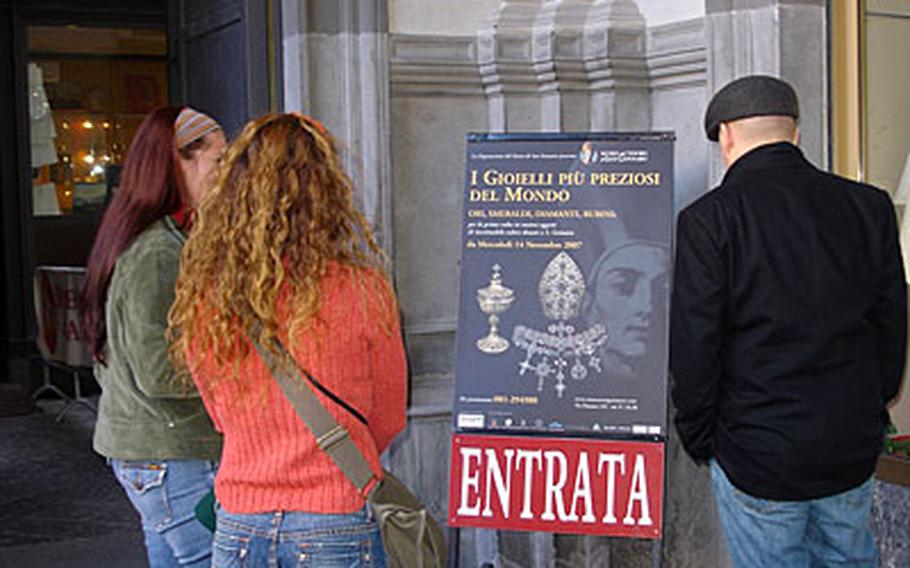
point(280, 252)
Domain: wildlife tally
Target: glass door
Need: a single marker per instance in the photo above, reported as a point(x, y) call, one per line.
point(88, 90)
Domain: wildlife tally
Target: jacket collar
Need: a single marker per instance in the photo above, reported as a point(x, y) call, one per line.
point(769, 156)
point(174, 230)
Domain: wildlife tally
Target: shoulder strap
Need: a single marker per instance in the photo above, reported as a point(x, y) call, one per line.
point(332, 438)
point(334, 397)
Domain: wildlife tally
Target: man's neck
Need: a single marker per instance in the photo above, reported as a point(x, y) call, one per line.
point(742, 150)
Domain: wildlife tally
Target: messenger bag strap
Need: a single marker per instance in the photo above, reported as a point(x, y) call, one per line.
point(332, 438)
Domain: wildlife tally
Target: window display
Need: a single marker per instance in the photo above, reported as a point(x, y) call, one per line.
point(89, 89)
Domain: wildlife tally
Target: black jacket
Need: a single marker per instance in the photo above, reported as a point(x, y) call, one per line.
point(788, 326)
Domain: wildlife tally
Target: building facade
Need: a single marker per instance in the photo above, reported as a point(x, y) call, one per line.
point(401, 82)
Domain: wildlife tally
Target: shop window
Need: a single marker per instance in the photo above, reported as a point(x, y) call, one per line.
point(887, 89)
point(89, 89)
point(870, 87)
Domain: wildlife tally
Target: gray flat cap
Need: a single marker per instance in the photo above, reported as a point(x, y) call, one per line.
point(753, 95)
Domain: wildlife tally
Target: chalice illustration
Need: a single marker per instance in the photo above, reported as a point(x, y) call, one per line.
point(494, 300)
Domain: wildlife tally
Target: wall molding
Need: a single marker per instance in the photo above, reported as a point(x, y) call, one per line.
point(429, 66)
point(673, 56)
point(432, 395)
point(678, 55)
point(432, 326)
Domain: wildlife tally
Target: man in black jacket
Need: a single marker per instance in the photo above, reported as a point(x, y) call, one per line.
point(788, 332)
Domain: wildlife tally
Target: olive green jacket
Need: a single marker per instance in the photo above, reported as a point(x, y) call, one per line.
point(146, 412)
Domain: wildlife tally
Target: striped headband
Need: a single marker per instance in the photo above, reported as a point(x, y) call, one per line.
point(191, 125)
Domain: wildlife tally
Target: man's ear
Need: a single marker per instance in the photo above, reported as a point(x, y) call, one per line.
point(795, 138)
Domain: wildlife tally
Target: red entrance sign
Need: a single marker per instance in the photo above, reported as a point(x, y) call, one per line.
point(557, 485)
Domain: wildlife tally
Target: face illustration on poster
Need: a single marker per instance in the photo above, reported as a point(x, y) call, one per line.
point(627, 288)
point(627, 284)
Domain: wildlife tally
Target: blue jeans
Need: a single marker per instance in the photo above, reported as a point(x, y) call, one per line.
point(830, 531)
point(285, 539)
point(165, 494)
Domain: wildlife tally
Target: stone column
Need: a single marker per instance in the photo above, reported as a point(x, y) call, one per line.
point(784, 38)
point(505, 59)
point(558, 55)
point(615, 60)
point(336, 69)
point(565, 65)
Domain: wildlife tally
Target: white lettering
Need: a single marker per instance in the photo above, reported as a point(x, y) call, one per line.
point(553, 466)
point(553, 489)
point(469, 481)
point(612, 460)
point(503, 482)
point(582, 490)
point(530, 457)
point(638, 492)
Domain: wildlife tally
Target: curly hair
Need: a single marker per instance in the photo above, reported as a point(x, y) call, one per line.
point(281, 212)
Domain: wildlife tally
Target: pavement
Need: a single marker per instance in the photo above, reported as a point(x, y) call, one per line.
point(60, 506)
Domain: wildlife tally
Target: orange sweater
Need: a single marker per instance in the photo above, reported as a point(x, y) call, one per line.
point(270, 460)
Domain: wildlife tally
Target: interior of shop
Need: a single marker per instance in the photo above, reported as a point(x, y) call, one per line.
point(88, 90)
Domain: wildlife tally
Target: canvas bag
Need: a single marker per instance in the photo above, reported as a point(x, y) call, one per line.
point(411, 536)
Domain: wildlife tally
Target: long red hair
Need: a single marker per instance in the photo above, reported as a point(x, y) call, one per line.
point(150, 188)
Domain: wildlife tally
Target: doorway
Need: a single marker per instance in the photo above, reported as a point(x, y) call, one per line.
point(80, 77)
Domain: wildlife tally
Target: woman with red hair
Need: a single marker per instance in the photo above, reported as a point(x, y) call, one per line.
point(152, 428)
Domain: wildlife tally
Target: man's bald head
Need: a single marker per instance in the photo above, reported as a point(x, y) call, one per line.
point(764, 128)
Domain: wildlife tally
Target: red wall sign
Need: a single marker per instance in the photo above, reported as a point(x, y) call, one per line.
point(557, 485)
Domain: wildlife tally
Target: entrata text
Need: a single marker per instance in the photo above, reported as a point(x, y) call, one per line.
point(557, 485)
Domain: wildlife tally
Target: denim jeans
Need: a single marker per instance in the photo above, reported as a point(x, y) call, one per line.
point(165, 494)
point(829, 531)
point(286, 539)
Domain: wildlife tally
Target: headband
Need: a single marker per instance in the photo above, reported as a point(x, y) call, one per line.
point(191, 125)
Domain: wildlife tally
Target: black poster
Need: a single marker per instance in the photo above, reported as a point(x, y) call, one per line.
point(564, 287)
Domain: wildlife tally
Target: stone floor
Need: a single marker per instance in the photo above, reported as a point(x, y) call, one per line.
point(59, 504)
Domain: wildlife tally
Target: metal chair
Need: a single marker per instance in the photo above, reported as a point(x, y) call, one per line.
point(60, 338)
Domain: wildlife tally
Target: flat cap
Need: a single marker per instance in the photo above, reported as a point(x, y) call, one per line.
point(753, 95)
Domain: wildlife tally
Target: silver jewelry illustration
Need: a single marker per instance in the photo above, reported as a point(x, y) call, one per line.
point(561, 288)
point(494, 300)
point(550, 353)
